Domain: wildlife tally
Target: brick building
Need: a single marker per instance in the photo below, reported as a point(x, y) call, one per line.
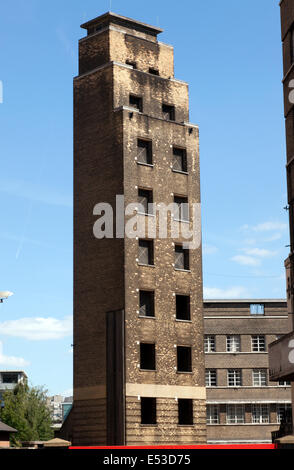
point(138, 323)
point(243, 405)
point(281, 367)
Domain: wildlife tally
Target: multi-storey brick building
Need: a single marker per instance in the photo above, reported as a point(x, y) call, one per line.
point(243, 405)
point(138, 333)
point(281, 363)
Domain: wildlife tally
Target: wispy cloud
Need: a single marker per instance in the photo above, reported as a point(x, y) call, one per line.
point(35, 192)
point(209, 249)
point(253, 256)
point(236, 292)
point(11, 361)
point(268, 226)
point(246, 260)
point(67, 393)
point(260, 252)
point(38, 329)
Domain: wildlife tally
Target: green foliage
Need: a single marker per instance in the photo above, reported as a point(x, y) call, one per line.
point(25, 409)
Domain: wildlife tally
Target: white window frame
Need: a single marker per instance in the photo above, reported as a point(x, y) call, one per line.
point(258, 343)
point(235, 414)
point(208, 378)
point(233, 343)
point(209, 343)
point(212, 414)
point(257, 309)
point(259, 377)
point(260, 413)
point(280, 407)
point(234, 375)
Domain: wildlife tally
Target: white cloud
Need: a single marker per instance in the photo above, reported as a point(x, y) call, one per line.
point(67, 393)
point(274, 237)
point(246, 260)
point(236, 292)
point(262, 253)
point(11, 361)
point(36, 329)
point(270, 226)
point(209, 249)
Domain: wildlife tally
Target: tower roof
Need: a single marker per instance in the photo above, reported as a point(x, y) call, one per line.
point(109, 17)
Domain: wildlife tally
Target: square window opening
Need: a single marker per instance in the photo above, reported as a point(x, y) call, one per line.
point(168, 112)
point(183, 307)
point(147, 303)
point(181, 258)
point(145, 198)
point(184, 358)
point(136, 102)
point(257, 309)
point(147, 356)
point(144, 154)
point(145, 255)
point(179, 159)
point(181, 208)
point(148, 410)
point(185, 410)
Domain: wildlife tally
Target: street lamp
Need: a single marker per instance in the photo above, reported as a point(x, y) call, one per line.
point(4, 295)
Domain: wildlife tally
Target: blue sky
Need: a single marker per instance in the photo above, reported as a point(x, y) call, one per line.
point(230, 53)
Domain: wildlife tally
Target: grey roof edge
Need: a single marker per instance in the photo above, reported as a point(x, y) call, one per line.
point(128, 21)
point(4, 427)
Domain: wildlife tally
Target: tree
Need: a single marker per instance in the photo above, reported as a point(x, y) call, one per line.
point(25, 409)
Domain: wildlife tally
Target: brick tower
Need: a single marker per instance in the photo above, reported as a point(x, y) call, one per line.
point(138, 327)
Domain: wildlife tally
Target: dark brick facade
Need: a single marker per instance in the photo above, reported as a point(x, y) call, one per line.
point(223, 318)
point(107, 275)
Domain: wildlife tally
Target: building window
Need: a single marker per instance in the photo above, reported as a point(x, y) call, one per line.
point(257, 309)
point(153, 71)
point(184, 359)
point(136, 102)
point(181, 258)
point(259, 377)
point(284, 383)
point(145, 198)
point(144, 154)
point(183, 307)
point(9, 378)
point(212, 414)
point(148, 410)
point(181, 208)
point(179, 159)
point(146, 303)
point(185, 410)
point(284, 413)
point(147, 356)
point(258, 343)
point(168, 112)
point(233, 343)
point(235, 414)
point(145, 255)
point(210, 378)
point(131, 63)
point(234, 378)
point(260, 413)
point(209, 343)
